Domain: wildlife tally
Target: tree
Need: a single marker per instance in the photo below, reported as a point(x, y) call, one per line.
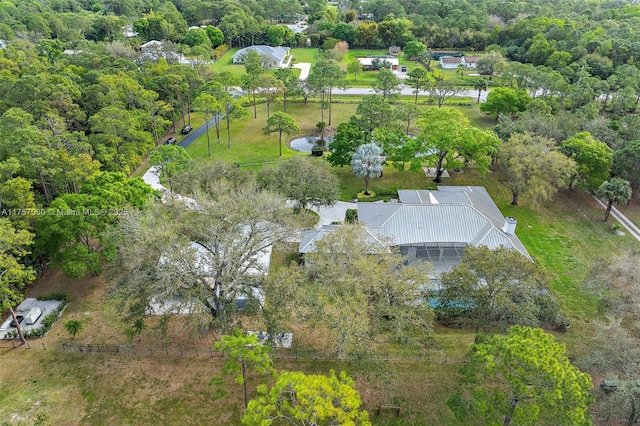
point(202, 258)
point(305, 181)
point(345, 142)
point(197, 37)
point(211, 108)
point(613, 355)
point(326, 75)
point(73, 327)
point(254, 69)
point(300, 399)
point(386, 84)
point(419, 80)
point(289, 83)
point(14, 275)
point(75, 222)
point(451, 139)
point(354, 67)
point(593, 159)
point(367, 34)
point(614, 190)
point(407, 113)
point(503, 100)
point(245, 351)
point(494, 289)
point(413, 49)
point(526, 378)
point(489, 64)
point(372, 112)
point(442, 90)
point(367, 163)
point(360, 300)
point(281, 122)
point(171, 161)
point(215, 35)
point(532, 167)
point(480, 85)
point(626, 163)
point(269, 88)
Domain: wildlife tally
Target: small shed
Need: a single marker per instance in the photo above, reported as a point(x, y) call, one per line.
point(394, 50)
point(32, 316)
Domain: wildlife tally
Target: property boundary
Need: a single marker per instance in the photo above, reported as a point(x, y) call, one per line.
point(435, 356)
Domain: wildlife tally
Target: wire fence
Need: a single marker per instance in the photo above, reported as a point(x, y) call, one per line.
point(435, 356)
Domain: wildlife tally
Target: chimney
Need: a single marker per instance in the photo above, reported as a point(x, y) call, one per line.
point(510, 225)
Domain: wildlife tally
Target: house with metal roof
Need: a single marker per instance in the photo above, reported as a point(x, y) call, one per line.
point(270, 57)
point(435, 226)
point(452, 62)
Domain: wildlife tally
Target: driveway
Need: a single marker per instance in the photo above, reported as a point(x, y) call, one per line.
point(624, 221)
point(333, 213)
point(304, 68)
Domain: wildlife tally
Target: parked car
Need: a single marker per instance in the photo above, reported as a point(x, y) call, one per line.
point(186, 129)
point(19, 318)
point(403, 69)
point(170, 141)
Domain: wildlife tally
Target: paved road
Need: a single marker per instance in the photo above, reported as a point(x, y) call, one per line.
point(195, 134)
point(406, 91)
point(624, 221)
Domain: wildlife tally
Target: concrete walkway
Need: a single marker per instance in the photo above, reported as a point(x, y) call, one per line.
point(334, 213)
point(624, 221)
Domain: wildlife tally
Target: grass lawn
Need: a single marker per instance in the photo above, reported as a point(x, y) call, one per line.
point(225, 64)
point(565, 235)
point(304, 54)
point(251, 147)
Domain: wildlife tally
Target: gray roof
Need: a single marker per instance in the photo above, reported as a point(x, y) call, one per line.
point(277, 53)
point(310, 236)
point(452, 216)
point(431, 225)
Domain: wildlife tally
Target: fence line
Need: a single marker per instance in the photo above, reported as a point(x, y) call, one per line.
point(436, 356)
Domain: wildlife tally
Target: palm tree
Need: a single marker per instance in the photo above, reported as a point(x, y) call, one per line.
point(73, 327)
point(367, 163)
point(480, 85)
point(615, 190)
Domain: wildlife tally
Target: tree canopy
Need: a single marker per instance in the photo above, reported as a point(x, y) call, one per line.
point(300, 399)
point(532, 167)
point(451, 141)
point(495, 289)
point(526, 379)
point(305, 181)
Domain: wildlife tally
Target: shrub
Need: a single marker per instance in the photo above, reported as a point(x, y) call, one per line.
point(54, 296)
point(219, 51)
point(351, 216)
point(361, 195)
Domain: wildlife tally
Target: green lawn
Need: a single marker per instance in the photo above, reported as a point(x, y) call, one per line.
point(304, 54)
point(251, 147)
point(565, 235)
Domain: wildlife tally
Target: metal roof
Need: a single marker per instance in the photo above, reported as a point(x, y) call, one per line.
point(309, 237)
point(278, 53)
point(453, 215)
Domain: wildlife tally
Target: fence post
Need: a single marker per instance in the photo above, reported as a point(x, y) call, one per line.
point(211, 352)
point(44, 347)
